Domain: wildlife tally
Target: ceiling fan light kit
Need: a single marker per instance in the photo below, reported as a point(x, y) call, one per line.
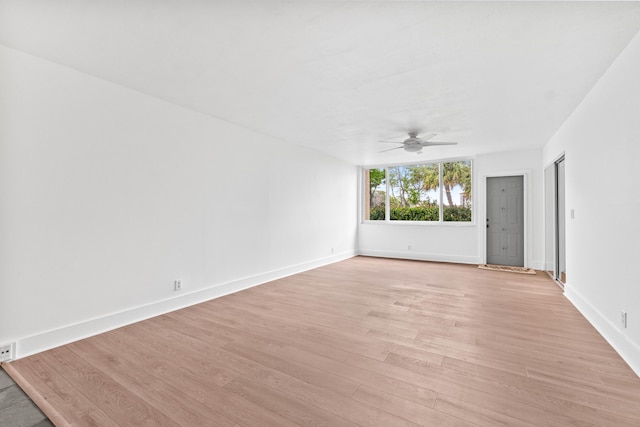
point(413, 148)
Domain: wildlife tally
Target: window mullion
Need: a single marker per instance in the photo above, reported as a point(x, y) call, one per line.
point(387, 210)
point(440, 201)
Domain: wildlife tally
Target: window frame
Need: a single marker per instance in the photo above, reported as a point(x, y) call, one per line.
point(440, 222)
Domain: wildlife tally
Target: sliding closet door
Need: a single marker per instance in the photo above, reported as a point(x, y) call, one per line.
point(561, 222)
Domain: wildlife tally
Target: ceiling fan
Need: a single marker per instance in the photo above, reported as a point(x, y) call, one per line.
point(413, 144)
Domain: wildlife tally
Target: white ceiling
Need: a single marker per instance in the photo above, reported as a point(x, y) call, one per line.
point(338, 76)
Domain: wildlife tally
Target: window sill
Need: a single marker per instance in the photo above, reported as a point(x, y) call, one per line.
point(422, 223)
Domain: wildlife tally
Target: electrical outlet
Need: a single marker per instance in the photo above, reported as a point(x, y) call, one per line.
point(177, 285)
point(623, 318)
point(7, 352)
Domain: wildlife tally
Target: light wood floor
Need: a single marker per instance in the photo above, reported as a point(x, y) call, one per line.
point(366, 341)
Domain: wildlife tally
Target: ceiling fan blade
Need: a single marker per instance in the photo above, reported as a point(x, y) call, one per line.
point(428, 136)
point(429, 143)
point(392, 142)
point(394, 148)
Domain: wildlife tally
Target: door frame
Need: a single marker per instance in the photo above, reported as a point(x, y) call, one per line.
point(551, 202)
point(558, 240)
point(525, 174)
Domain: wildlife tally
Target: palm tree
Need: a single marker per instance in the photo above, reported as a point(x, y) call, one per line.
point(465, 182)
point(456, 173)
point(429, 177)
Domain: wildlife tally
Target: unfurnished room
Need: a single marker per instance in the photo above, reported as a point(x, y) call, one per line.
point(322, 212)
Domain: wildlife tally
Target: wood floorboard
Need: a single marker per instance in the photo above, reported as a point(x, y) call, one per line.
point(201, 380)
point(421, 413)
point(41, 382)
point(366, 342)
point(478, 414)
point(286, 405)
point(116, 400)
point(174, 403)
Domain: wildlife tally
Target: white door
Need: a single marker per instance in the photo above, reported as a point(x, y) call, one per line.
point(505, 220)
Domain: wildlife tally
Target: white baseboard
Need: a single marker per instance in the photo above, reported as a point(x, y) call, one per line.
point(419, 256)
point(627, 349)
point(60, 336)
point(537, 265)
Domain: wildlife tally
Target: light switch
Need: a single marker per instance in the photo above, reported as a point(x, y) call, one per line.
point(572, 214)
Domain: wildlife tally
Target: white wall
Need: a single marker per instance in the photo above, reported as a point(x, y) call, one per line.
point(108, 195)
point(601, 142)
point(464, 243)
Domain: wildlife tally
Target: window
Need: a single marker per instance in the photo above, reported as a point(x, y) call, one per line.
point(375, 194)
point(434, 192)
point(456, 181)
point(414, 193)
